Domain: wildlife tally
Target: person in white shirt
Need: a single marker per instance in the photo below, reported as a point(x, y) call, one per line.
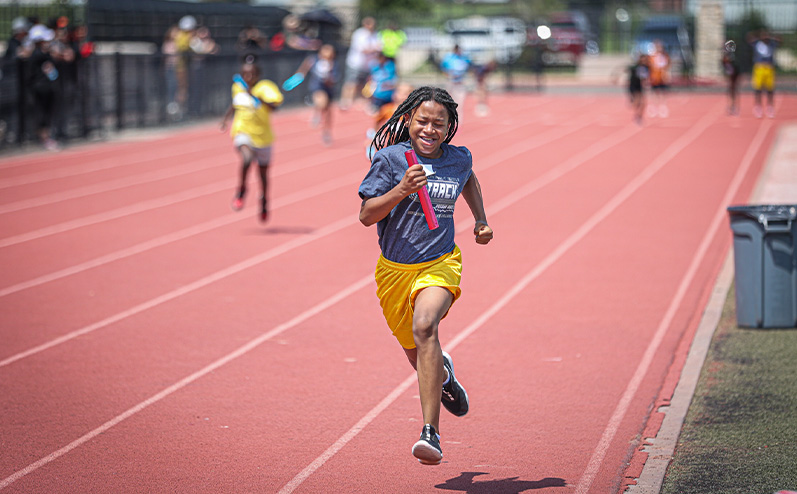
point(364, 48)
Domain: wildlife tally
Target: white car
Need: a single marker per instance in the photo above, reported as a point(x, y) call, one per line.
point(483, 39)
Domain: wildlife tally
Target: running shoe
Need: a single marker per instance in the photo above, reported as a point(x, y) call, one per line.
point(263, 209)
point(427, 449)
point(454, 396)
point(237, 203)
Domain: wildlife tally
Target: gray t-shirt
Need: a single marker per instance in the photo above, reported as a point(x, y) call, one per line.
point(404, 236)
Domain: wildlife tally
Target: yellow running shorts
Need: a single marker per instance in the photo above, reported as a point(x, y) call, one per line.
point(763, 77)
point(398, 284)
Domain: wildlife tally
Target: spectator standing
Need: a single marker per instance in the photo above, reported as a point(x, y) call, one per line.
point(42, 77)
point(764, 45)
point(202, 45)
point(538, 65)
point(362, 54)
point(65, 60)
point(15, 47)
point(731, 70)
point(170, 61)
point(392, 38)
point(182, 40)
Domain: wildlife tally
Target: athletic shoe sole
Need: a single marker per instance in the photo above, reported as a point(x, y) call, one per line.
point(426, 453)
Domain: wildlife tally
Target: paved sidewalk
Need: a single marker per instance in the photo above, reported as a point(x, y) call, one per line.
point(776, 185)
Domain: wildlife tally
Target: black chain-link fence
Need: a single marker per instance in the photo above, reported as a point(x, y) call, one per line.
point(108, 92)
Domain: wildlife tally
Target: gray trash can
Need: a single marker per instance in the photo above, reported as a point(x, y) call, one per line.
point(766, 265)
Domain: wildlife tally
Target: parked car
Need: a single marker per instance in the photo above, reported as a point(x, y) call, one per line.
point(483, 39)
point(566, 36)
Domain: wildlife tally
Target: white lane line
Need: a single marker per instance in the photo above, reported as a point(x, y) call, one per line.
point(117, 213)
point(121, 183)
point(354, 287)
point(104, 164)
point(225, 220)
point(184, 145)
point(518, 287)
point(149, 205)
point(190, 287)
point(622, 406)
point(363, 282)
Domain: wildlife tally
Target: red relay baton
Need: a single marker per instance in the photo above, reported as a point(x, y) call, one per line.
point(423, 194)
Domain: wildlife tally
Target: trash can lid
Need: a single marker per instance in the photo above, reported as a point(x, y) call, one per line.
point(764, 212)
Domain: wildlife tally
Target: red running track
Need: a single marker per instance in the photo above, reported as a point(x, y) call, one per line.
point(155, 341)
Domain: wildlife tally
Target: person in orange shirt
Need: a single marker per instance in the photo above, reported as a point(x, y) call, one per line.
point(659, 74)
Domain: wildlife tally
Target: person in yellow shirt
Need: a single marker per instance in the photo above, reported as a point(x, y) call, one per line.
point(253, 100)
point(392, 39)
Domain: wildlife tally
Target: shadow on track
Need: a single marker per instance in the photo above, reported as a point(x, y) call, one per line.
point(511, 485)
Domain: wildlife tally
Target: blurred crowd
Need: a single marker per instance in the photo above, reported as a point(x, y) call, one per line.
point(45, 58)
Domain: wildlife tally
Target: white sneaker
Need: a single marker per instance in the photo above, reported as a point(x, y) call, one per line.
point(757, 111)
point(771, 111)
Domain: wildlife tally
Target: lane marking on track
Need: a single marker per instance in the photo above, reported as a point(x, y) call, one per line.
point(139, 207)
point(146, 177)
point(193, 377)
point(546, 263)
point(142, 247)
point(105, 164)
point(116, 184)
point(351, 289)
point(188, 288)
point(143, 206)
point(488, 162)
point(602, 448)
point(183, 147)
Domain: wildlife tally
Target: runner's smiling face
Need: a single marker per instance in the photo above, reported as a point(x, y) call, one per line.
point(428, 128)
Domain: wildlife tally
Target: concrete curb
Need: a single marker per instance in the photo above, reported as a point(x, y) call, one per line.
point(776, 185)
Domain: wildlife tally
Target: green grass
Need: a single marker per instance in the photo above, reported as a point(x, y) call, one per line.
point(740, 434)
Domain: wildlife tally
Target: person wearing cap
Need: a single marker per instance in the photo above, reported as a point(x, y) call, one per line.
point(42, 77)
point(15, 46)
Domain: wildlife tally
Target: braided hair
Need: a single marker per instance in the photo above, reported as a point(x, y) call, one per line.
point(396, 129)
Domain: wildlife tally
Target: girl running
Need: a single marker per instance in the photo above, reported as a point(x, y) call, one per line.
point(323, 75)
point(253, 100)
point(418, 272)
